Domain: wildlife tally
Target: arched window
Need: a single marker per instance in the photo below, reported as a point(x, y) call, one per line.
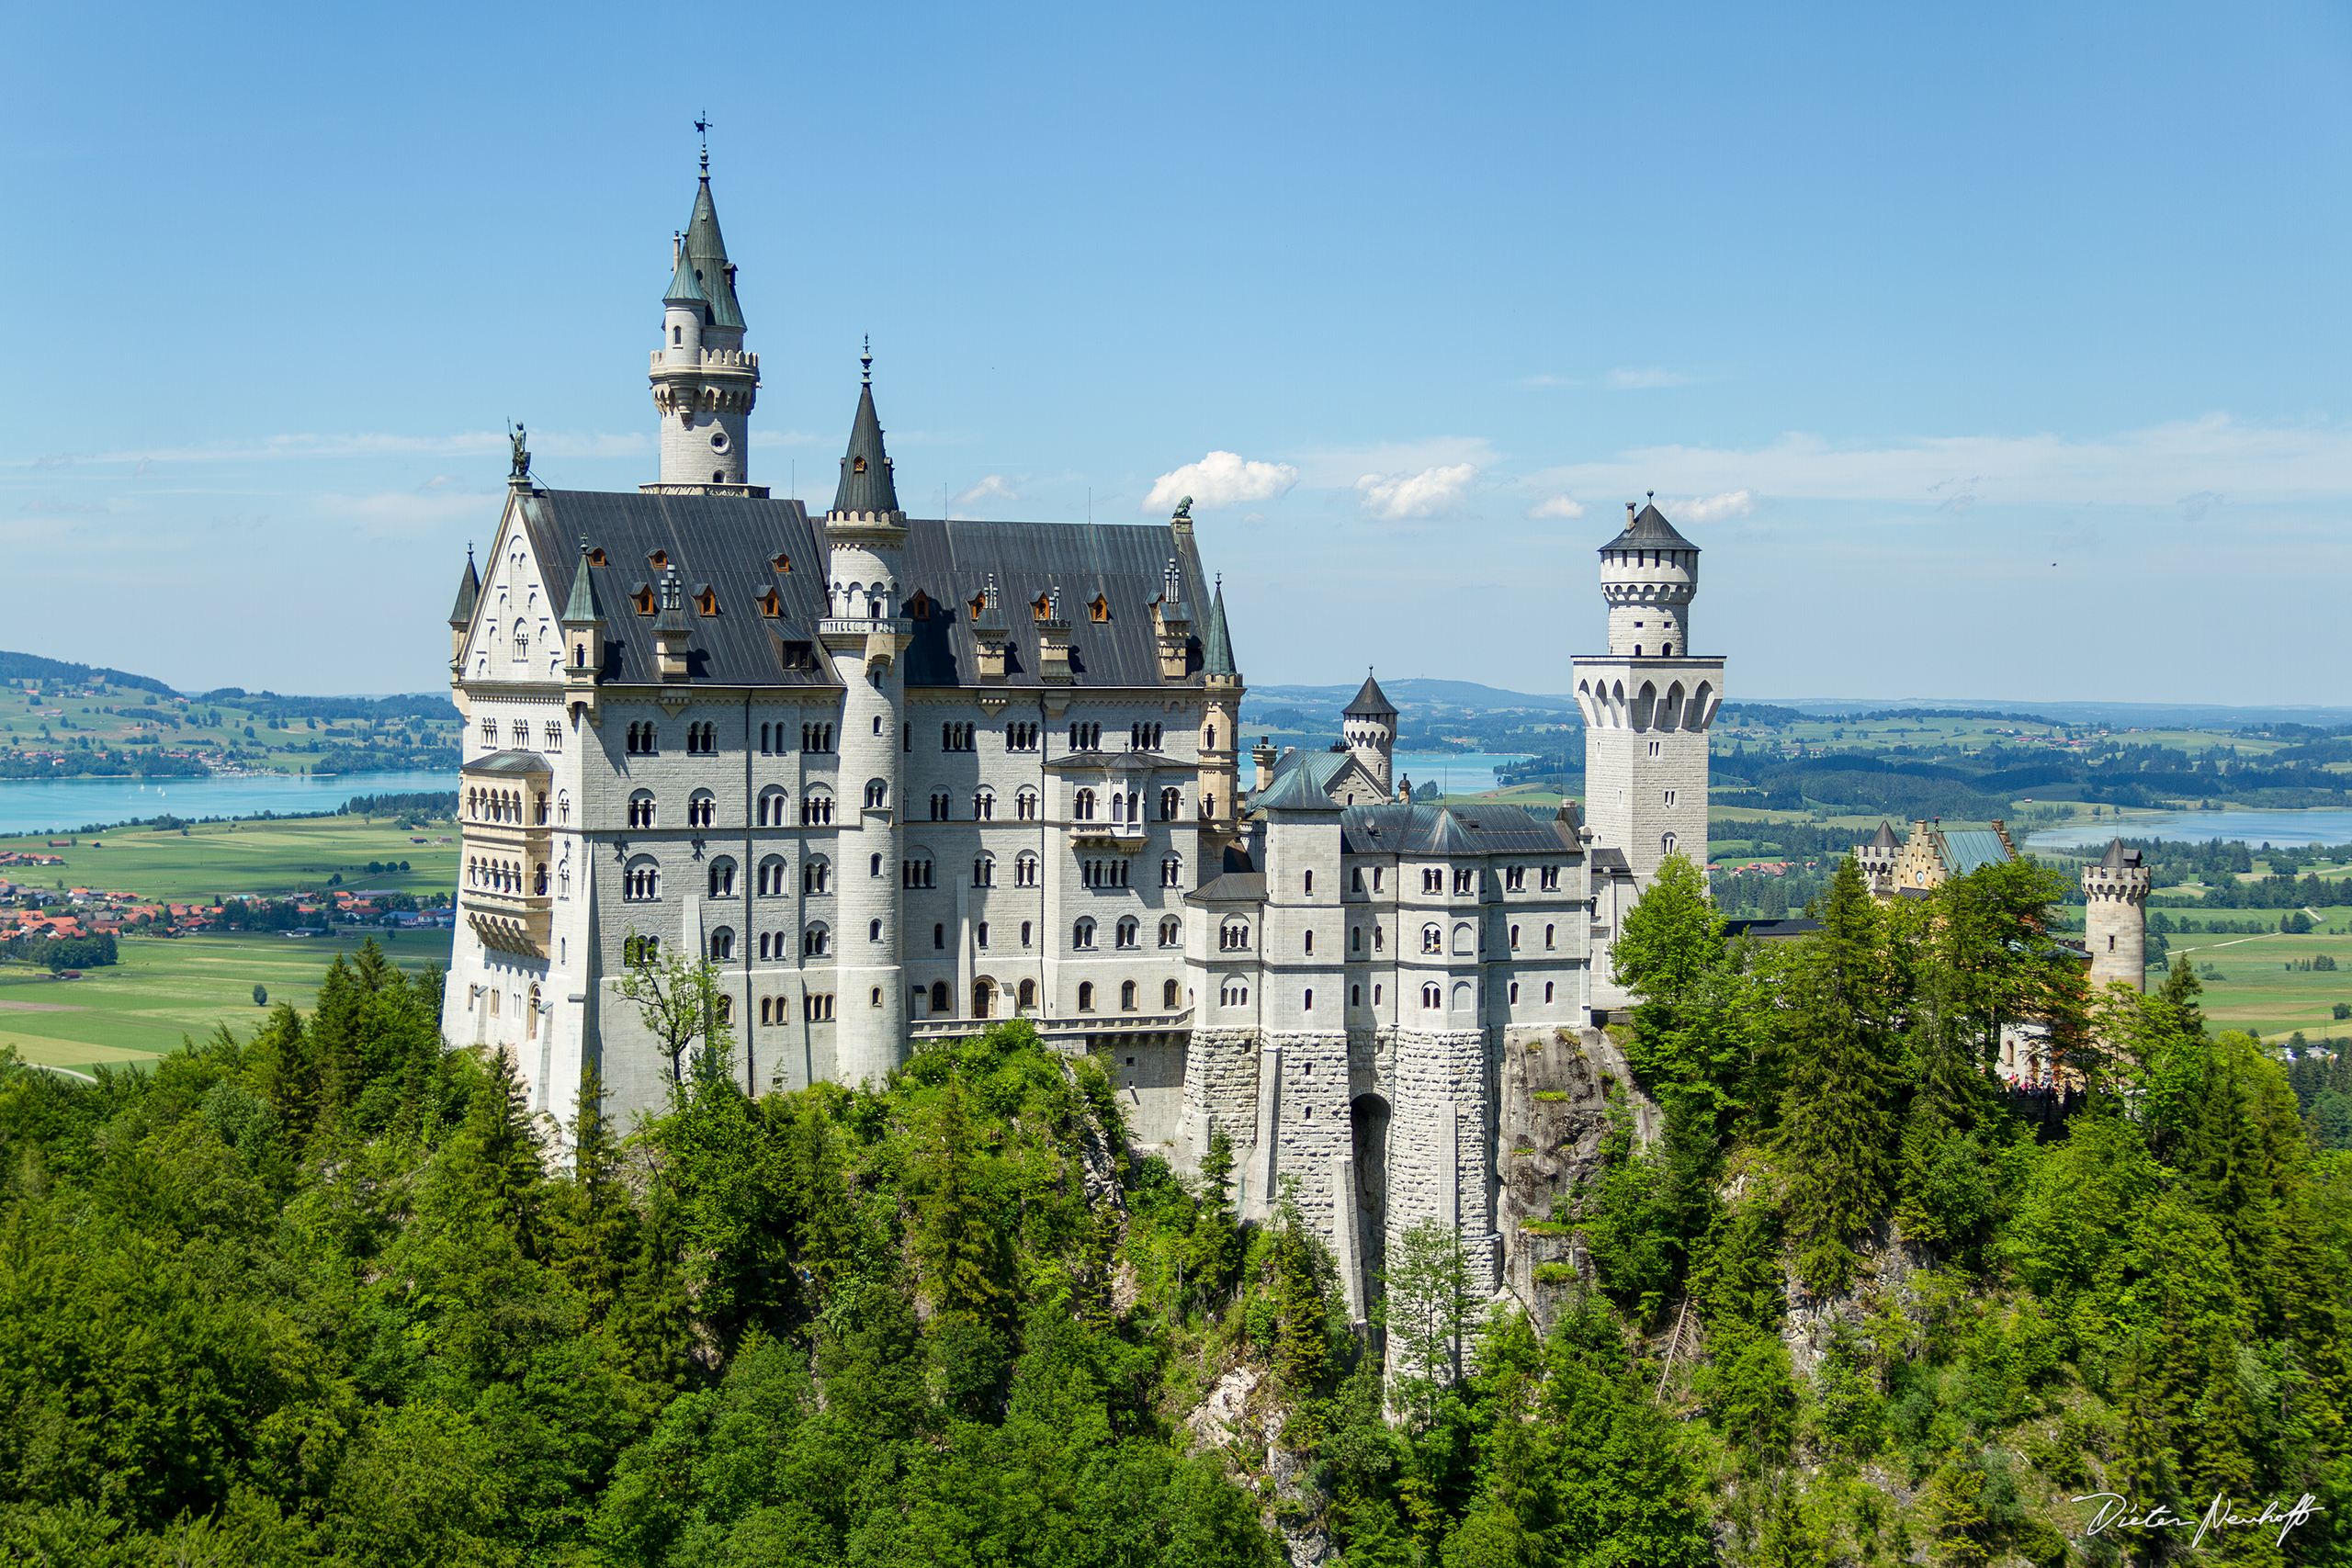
point(722, 878)
point(1465, 939)
point(1308, 1005)
point(1168, 996)
point(1024, 805)
point(539, 880)
point(1514, 939)
point(1355, 939)
point(816, 807)
point(1172, 931)
point(814, 941)
point(816, 875)
point(1081, 935)
point(984, 806)
point(1127, 996)
point(1310, 943)
point(531, 1017)
point(641, 809)
point(1547, 936)
point(562, 808)
point(722, 944)
point(1086, 996)
point(1172, 871)
point(1028, 994)
point(1127, 931)
point(1665, 844)
point(1547, 991)
point(1024, 870)
point(1431, 997)
point(642, 880)
point(878, 793)
point(770, 808)
point(1514, 993)
point(1083, 809)
point(1432, 939)
point(874, 931)
point(939, 998)
point(1171, 803)
point(1024, 933)
point(770, 881)
point(1355, 996)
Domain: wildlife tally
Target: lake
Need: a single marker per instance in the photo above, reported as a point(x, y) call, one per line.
point(63, 806)
point(1466, 774)
point(2280, 827)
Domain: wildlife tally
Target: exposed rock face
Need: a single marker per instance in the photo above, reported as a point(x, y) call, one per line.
point(1889, 1267)
point(1553, 1122)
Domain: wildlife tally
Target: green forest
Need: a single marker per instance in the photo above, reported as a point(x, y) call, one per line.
point(323, 1294)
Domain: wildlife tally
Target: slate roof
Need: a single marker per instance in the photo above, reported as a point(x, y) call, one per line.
point(1299, 790)
point(866, 484)
point(1318, 768)
point(1649, 531)
point(1371, 703)
point(583, 604)
point(508, 761)
point(1475, 830)
point(1218, 655)
point(2118, 857)
point(1232, 887)
point(1610, 860)
point(469, 593)
point(728, 541)
point(683, 289)
point(1884, 837)
point(708, 250)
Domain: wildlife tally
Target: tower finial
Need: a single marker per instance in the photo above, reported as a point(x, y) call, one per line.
point(702, 127)
point(866, 361)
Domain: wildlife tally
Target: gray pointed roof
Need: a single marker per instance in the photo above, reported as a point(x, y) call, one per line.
point(1216, 655)
point(1296, 790)
point(865, 486)
point(1884, 837)
point(1447, 836)
point(683, 289)
point(1649, 531)
point(708, 250)
point(469, 594)
point(1371, 703)
point(2118, 857)
point(582, 606)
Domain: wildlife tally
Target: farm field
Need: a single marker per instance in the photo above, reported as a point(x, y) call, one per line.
point(2255, 989)
point(267, 857)
point(166, 989)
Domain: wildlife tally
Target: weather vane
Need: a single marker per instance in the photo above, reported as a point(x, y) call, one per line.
point(702, 127)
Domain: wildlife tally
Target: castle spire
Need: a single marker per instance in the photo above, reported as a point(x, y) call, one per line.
point(867, 486)
point(1217, 648)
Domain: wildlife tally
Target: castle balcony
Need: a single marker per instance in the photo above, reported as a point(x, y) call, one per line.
point(712, 359)
point(1073, 1035)
point(519, 924)
point(1110, 835)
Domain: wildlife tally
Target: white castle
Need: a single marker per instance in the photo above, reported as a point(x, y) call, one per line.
point(897, 777)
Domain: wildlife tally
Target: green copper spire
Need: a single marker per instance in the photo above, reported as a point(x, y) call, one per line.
point(683, 289)
point(582, 606)
point(1216, 649)
point(706, 252)
point(866, 484)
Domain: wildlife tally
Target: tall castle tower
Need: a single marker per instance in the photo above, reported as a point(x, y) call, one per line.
point(1220, 750)
point(1647, 702)
point(1369, 726)
point(2115, 924)
point(704, 382)
point(865, 534)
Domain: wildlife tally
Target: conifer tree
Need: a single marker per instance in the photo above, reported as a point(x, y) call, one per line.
point(1837, 1124)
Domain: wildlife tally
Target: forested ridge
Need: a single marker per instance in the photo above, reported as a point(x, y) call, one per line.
point(320, 1295)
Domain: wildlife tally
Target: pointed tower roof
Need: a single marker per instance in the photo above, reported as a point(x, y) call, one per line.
point(1216, 646)
point(582, 606)
point(706, 250)
point(1296, 791)
point(683, 289)
point(1884, 837)
point(2118, 857)
point(469, 593)
point(1371, 702)
point(865, 484)
point(1651, 531)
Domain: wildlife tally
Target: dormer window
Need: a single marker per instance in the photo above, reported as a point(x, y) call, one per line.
point(980, 602)
point(772, 606)
point(1042, 607)
point(706, 601)
point(642, 594)
point(1099, 609)
point(596, 556)
point(918, 607)
point(782, 563)
point(857, 465)
point(659, 559)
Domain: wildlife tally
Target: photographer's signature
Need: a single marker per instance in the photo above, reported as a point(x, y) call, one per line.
point(2117, 1512)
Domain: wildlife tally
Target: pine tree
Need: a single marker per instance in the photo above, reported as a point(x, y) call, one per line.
point(1836, 1122)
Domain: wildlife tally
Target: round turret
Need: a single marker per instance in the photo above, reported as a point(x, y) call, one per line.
point(1369, 725)
point(1649, 574)
point(2115, 923)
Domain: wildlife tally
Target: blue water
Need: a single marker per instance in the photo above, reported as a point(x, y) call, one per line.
point(2280, 827)
point(50, 806)
point(1464, 775)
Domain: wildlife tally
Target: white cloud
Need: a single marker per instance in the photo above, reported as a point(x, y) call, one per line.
point(1338, 467)
point(1625, 378)
point(1221, 478)
point(2152, 467)
point(405, 508)
point(1712, 508)
point(1559, 506)
point(994, 487)
point(1393, 497)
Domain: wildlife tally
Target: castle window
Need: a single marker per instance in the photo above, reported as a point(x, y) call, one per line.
point(722, 945)
point(1310, 944)
point(1355, 996)
point(1086, 996)
point(1084, 809)
point(782, 563)
point(980, 934)
point(1172, 931)
point(659, 559)
point(1667, 843)
point(1515, 879)
point(878, 792)
point(1547, 937)
point(984, 872)
point(641, 883)
point(1027, 994)
point(874, 931)
point(1024, 933)
point(1549, 880)
point(1514, 993)
point(1127, 931)
point(1465, 879)
point(1375, 996)
point(770, 878)
point(701, 808)
point(1431, 998)
point(1099, 610)
point(814, 874)
point(1233, 936)
point(1025, 871)
point(641, 597)
point(1308, 1006)
point(1081, 935)
point(857, 465)
point(1432, 939)
point(1375, 878)
point(918, 607)
point(1547, 991)
point(1379, 938)
point(706, 602)
point(1171, 805)
point(641, 809)
point(814, 941)
point(1669, 797)
point(1168, 996)
point(722, 878)
point(1308, 883)
point(1655, 746)
point(1127, 996)
point(1172, 871)
point(772, 605)
point(1355, 938)
point(1514, 939)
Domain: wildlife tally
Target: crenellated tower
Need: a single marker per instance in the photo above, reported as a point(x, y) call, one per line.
point(865, 535)
point(1647, 703)
point(2115, 920)
point(1369, 726)
point(705, 382)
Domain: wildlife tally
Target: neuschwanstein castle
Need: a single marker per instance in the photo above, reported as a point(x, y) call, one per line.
point(895, 777)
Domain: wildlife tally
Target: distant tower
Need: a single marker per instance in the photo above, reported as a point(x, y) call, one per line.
point(1647, 703)
point(1370, 726)
point(865, 534)
point(2115, 924)
point(1877, 856)
point(704, 382)
point(461, 614)
point(1222, 690)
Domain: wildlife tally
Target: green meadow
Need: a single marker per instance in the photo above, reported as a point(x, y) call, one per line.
point(271, 858)
point(167, 989)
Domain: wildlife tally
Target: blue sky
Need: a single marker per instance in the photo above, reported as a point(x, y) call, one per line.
point(1994, 354)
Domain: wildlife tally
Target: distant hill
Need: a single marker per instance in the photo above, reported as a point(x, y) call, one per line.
point(1415, 692)
point(32, 667)
point(2143, 715)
